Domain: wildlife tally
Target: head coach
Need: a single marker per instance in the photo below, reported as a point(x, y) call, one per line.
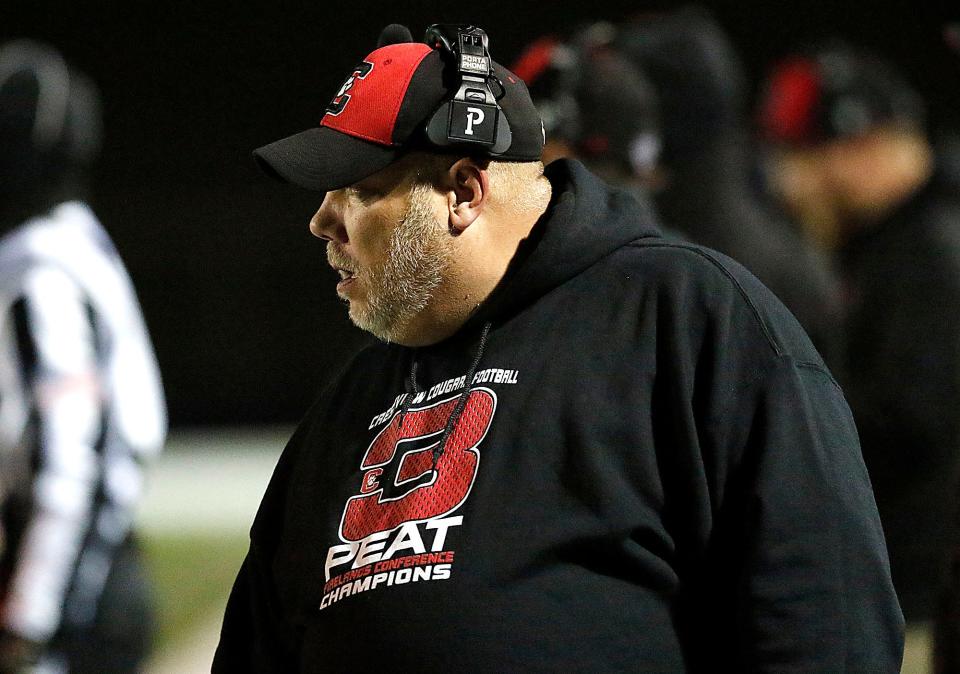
point(577, 446)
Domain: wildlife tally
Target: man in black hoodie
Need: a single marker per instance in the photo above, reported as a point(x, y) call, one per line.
point(580, 447)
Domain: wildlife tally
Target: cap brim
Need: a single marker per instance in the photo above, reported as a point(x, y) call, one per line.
point(322, 159)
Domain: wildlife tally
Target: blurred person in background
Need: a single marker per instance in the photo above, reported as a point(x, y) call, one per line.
point(704, 186)
point(81, 405)
point(947, 628)
point(597, 107)
point(852, 161)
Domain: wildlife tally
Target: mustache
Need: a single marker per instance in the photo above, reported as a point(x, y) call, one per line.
point(337, 258)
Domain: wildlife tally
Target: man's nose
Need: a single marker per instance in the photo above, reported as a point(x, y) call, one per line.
point(327, 222)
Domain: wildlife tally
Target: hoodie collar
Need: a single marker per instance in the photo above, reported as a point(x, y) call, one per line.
point(585, 221)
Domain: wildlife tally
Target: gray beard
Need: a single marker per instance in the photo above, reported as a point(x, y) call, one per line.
point(403, 286)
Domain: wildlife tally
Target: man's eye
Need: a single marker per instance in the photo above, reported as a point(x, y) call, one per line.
point(363, 193)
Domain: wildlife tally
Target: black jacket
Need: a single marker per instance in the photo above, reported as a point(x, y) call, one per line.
point(652, 471)
point(903, 380)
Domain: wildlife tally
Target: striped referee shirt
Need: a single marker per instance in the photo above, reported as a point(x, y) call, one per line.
point(81, 408)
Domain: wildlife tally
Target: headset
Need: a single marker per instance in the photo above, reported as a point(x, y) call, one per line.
point(473, 116)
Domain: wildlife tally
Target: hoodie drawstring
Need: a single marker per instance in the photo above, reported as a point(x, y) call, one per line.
point(464, 395)
point(410, 386)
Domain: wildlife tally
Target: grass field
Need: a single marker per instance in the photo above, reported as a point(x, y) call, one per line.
point(192, 576)
point(201, 498)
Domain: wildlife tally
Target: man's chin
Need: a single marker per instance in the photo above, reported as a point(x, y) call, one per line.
point(361, 317)
point(386, 330)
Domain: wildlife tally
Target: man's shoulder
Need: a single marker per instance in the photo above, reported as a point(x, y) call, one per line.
point(16, 245)
point(697, 279)
point(67, 236)
point(672, 260)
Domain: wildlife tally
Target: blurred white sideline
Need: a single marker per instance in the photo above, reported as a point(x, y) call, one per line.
point(210, 481)
point(207, 482)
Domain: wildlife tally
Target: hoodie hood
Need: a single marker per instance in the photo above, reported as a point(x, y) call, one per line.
point(585, 221)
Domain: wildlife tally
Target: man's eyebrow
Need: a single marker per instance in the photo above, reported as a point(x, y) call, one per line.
point(359, 185)
point(364, 190)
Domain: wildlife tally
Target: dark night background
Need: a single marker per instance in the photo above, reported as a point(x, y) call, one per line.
point(237, 294)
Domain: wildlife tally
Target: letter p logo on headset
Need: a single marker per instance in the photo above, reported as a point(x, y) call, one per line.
point(472, 115)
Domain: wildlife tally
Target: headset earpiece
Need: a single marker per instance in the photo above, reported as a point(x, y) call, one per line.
point(472, 116)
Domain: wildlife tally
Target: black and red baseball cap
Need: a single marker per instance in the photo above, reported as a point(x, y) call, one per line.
point(381, 112)
point(834, 92)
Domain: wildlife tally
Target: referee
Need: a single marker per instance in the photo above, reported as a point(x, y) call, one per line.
point(81, 406)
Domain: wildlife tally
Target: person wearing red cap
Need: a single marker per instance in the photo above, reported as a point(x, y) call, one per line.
point(852, 161)
point(707, 164)
point(577, 446)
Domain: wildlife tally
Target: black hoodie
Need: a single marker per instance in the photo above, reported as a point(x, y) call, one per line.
point(903, 380)
point(652, 471)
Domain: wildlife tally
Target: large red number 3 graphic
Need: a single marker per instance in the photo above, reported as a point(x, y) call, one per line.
point(448, 484)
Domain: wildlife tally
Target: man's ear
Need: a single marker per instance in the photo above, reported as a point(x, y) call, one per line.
point(467, 185)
